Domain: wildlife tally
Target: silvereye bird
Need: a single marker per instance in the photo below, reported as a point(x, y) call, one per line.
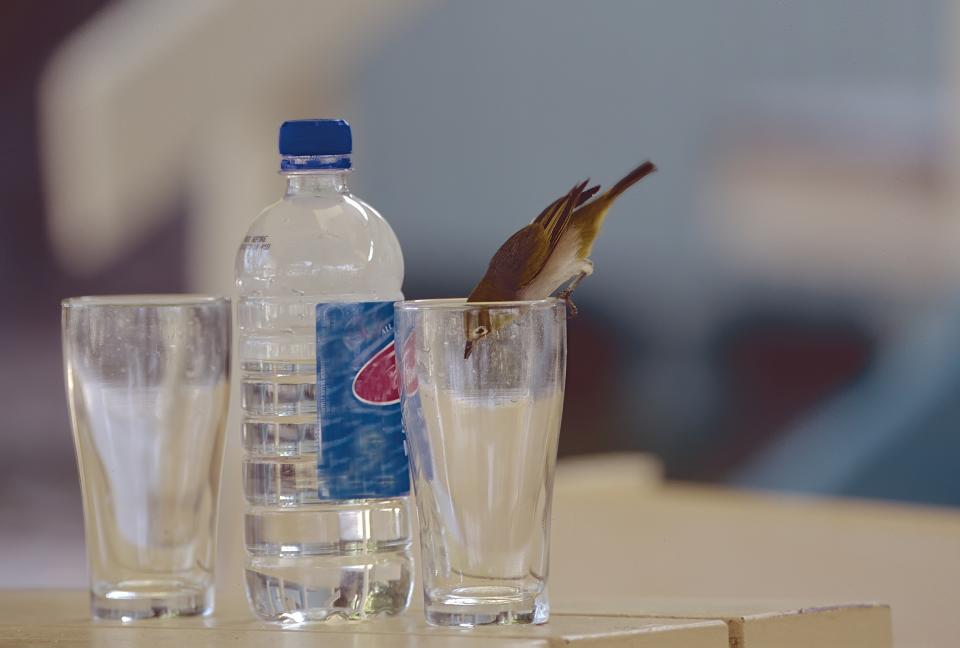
point(551, 251)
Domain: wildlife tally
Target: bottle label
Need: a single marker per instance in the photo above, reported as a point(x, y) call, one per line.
point(361, 452)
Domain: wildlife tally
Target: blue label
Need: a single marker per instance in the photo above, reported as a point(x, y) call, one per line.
point(361, 453)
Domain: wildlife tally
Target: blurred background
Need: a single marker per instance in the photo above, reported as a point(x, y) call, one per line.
point(777, 308)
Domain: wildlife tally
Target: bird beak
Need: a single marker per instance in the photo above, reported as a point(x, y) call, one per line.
point(468, 349)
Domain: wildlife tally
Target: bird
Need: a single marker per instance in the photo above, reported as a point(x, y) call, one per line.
point(551, 252)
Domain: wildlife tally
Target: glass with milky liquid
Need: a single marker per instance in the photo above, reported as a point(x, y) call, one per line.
point(148, 386)
point(482, 437)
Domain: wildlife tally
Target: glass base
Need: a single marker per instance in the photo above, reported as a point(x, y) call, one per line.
point(475, 606)
point(131, 601)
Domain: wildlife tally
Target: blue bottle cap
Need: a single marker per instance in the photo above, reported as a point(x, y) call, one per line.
point(314, 137)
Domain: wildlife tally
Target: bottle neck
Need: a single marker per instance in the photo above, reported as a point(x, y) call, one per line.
point(317, 182)
point(315, 174)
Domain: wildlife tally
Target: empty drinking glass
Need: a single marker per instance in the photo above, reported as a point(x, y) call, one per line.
point(482, 432)
point(148, 385)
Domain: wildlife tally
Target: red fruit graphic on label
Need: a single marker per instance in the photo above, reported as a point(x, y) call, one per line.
point(377, 383)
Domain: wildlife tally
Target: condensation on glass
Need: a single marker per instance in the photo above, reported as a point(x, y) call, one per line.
point(147, 381)
point(482, 433)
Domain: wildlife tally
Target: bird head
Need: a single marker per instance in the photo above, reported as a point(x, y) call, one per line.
point(476, 326)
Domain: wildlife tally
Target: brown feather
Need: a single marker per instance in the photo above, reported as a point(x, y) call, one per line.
point(585, 195)
point(557, 223)
point(509, 264)
point(588, 194)
point(523, 255)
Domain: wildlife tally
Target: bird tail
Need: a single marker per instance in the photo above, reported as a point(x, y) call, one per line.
point(630, 179)
point(590, 216)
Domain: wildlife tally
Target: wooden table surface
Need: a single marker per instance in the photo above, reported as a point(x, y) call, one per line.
point(635, 563)
point(61, 618)
point(678, 542)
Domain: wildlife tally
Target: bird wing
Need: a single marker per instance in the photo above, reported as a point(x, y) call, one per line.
point(553, 222)
point(523, 256)
point(511, 264)
point(555, 218)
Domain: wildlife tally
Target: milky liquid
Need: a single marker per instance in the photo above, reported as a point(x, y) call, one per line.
point(486, 483)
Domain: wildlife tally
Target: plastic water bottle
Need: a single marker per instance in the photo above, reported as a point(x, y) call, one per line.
point(327, 527)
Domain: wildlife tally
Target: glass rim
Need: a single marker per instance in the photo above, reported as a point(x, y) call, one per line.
point(147, 300)
point(461, 303)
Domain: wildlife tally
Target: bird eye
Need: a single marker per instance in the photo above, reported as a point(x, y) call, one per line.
point(480, 331)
